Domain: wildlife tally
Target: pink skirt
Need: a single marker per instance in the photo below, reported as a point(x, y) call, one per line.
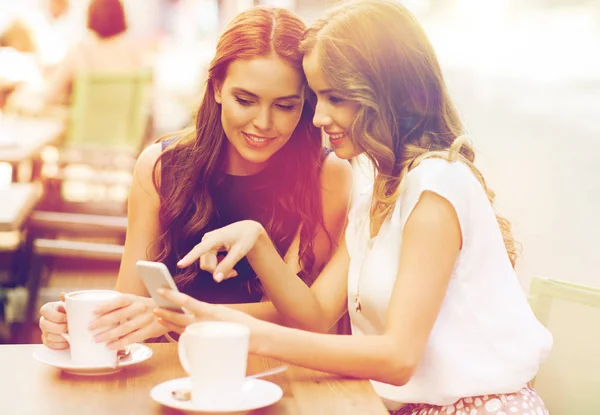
point(524, 402)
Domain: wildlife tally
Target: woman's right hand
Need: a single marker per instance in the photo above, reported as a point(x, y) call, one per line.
point(126, 320)
point(236, 239)
point(53, 322)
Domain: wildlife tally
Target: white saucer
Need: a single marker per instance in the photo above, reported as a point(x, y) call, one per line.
point(62, 360)
point(256, 393)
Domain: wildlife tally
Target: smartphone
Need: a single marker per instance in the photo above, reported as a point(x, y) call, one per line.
point(156, 275)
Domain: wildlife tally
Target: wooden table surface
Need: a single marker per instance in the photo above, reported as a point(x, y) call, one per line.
point(27, 136)
point(17, 200)
point(30, 387)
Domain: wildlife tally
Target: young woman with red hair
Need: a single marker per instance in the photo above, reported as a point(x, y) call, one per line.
point(253, 154)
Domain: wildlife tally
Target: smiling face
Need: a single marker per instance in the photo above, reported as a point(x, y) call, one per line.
point(261, 104)
point(334, 114)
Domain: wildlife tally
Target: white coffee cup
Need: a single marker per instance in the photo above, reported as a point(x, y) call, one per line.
point(80, 307)
point(215, 354)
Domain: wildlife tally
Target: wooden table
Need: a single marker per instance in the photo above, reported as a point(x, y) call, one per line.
point(23, 138)
point(17, 200)
point(27, 135)
point(30, 387)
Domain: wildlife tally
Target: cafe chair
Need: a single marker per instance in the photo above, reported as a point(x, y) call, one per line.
point(83, 214)
point(569, 380)
point(87, 186)
point(106, 130)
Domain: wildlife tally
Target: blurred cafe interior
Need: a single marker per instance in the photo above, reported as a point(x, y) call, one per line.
point(82, 93)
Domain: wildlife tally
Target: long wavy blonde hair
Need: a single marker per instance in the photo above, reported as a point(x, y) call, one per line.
point(376, 53)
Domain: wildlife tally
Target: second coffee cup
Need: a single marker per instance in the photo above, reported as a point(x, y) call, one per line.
point(215, 354)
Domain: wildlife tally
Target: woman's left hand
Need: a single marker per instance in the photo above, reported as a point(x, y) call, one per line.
point(196, 311)
point(236, 239)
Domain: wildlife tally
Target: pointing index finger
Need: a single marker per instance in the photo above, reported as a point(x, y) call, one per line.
point(196, 252)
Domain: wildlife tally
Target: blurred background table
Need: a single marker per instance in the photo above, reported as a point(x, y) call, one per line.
point(23, 138)
point(18, 200)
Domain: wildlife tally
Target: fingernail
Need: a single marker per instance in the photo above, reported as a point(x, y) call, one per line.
point(219, 277)
point(91, 327)
point(161, 291)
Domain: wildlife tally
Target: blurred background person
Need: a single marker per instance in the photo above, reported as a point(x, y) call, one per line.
point(47, 30)
point(17, 35)
point(55, 31)
point(107, 49)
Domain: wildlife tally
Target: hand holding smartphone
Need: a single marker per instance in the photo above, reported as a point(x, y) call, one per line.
point(156, 275)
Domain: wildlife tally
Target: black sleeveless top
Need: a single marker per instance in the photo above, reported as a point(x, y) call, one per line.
point(237, 198)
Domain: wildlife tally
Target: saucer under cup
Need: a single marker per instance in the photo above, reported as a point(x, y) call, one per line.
point(61, 359)
point(255, 394)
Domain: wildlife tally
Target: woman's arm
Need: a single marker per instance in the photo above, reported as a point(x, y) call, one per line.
point(142, 222)
point(128, 319)
point(336, 189)
point(295, 302)
point(431, 242)
point(132, 312)
point(143, 228)
point(431, 232)
point(297, 308)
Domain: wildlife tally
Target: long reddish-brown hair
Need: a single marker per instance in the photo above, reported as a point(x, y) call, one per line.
point(198, 156)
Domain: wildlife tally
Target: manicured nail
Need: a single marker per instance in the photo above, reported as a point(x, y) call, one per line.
point(219, 277)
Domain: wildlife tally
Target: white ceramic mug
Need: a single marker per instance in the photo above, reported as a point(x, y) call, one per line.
point(80, 306)
point(215, 354)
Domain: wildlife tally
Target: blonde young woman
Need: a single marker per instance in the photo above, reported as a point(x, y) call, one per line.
point(439, 322)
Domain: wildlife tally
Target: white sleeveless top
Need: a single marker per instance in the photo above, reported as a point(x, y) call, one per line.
point(486, 339)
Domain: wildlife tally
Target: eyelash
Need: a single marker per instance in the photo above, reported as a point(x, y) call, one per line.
point(246, 103)
point(286, 107)
point(335, 100)
point(243, 101)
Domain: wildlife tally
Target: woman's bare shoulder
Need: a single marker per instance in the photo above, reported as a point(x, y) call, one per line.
point(144, 167)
